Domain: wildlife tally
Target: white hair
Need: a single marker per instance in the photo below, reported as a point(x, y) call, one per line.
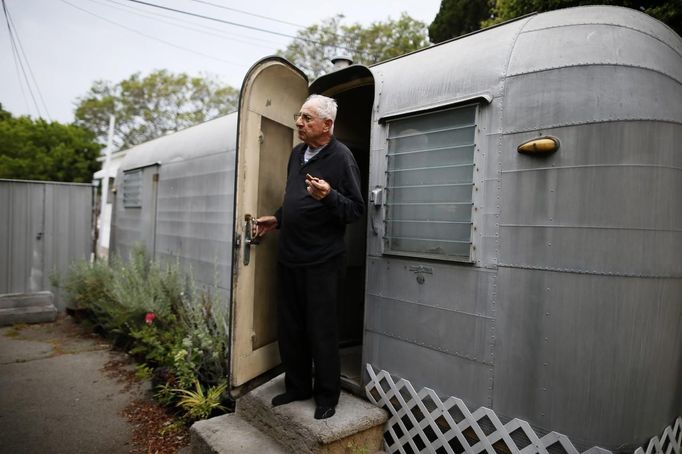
point(325, 107)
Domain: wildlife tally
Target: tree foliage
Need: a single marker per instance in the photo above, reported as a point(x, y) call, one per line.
point(457, 17)
point(38, 150)
point(149, 107)
point(318, 44)
point(667, 11)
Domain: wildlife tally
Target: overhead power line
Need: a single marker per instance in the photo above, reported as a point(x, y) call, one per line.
point(186, 24)
point(236, 24)
point(248, 13)
point(17, 63)
point(20, 58)
point(186, 49)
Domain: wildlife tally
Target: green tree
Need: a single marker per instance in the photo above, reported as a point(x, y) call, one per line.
point(38, 150)
point(667, 11)
point(318, 44)
point(149, 107)
point(458, 17)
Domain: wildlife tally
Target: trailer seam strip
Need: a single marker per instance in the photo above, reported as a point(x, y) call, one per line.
point(590, 272)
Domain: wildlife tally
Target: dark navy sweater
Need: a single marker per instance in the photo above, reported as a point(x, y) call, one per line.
point(312, 231)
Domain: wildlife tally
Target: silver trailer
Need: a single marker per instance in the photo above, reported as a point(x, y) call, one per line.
point(174, 196)
point(498, 297)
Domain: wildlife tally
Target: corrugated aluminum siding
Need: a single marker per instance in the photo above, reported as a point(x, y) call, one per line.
point(575, 294)
point(44, 228)
point(440, 333)
point(195, 215)
point(590, 275)
point(187, 214)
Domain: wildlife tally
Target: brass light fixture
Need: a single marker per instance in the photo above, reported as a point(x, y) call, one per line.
point(540, 146)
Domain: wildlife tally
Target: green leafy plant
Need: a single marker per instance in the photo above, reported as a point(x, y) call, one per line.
point(198, 404)
point(165, 394)
point(88, 285)
point(143, 371)
point(176, 329)
point(156, 344)
point(141, 286)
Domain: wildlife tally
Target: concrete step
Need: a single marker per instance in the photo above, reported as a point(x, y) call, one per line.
point(230, 434)
point(27, 308)
point(357, 426)
point(10, 300)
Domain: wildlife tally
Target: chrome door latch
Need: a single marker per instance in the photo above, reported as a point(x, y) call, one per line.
point(249, 240)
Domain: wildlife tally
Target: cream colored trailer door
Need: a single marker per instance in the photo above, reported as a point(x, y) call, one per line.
point(272, 93)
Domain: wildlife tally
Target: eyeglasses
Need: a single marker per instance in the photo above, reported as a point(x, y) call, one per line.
point(307, 118)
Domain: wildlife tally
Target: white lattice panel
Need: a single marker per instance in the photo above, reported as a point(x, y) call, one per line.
point(422, 422)
point(668, 443)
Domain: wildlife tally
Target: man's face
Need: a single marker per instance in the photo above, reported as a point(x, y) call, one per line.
point(312, 129)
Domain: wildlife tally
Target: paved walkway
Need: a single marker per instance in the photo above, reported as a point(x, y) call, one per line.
point(55, 394)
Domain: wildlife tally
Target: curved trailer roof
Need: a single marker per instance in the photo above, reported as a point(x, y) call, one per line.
point(214, 136)
point(476, 65)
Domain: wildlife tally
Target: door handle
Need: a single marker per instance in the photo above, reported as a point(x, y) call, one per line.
point(249, 240)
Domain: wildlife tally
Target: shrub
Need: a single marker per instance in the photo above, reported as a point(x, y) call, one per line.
point(140, 286)
point(88, 285)
point(204, 320)
point(156, 344)
point(176, 329)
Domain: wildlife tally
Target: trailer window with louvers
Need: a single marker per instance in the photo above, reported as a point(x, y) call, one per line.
point(132, 189)
point(430, 179)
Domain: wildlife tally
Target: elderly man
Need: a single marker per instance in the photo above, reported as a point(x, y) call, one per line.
point(322, 195)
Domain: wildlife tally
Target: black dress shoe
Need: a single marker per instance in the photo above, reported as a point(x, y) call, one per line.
point(322, 412)
point(286, 398)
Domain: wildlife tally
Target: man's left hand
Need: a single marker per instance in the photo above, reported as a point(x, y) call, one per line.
point(317, 188)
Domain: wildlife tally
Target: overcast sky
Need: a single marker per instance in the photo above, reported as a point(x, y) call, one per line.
point(71, 43)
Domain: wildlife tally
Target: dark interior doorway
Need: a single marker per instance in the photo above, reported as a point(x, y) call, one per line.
point(355, 99)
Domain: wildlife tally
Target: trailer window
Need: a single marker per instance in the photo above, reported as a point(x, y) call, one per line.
point(430, 180)
point(132, 189)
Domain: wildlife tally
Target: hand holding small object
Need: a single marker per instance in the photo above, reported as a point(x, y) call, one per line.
point(317, 187)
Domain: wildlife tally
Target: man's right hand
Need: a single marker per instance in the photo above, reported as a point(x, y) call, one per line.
point(263, 225)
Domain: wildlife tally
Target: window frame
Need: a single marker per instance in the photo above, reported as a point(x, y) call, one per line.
point(128, 184)
point(386, 244)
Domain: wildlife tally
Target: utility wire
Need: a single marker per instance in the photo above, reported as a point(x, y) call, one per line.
point(28, 65)
point(186, 49)
point(17, 52)
point(17, 61)
point(274, 20)
point(248, 13)
point(17, 68)
point(179, 23)
point(27, 106)
point(236, 24)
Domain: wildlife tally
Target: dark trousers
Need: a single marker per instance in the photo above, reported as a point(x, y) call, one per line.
point(308, 332)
